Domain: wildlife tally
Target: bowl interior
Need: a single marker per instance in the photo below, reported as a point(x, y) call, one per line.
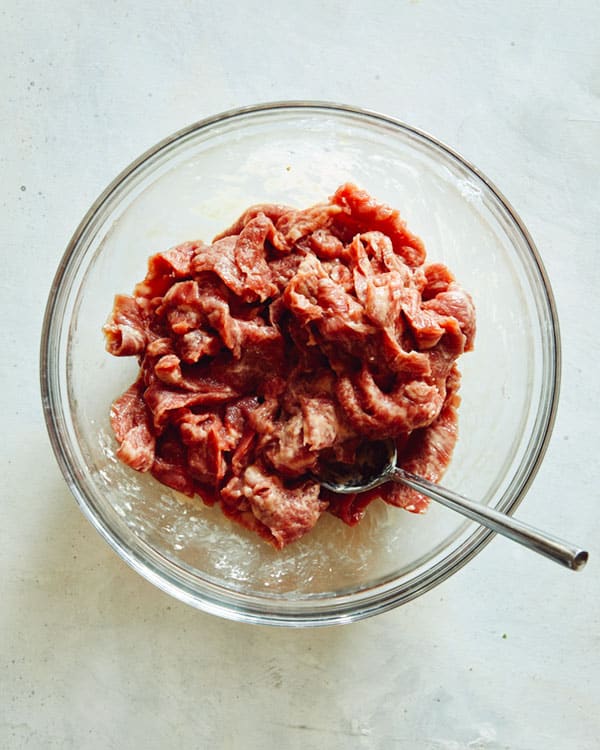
point(193, 187)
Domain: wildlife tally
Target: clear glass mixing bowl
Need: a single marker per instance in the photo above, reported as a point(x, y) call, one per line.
point(192, 185)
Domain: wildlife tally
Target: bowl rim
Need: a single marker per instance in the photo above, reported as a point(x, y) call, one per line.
point(250, 612)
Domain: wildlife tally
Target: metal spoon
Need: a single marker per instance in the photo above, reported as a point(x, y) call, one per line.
point(376, 464)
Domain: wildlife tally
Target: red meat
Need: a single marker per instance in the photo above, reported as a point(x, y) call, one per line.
point(292, 338)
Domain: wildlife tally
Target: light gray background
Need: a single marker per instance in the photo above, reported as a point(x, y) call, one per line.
point(503, 655)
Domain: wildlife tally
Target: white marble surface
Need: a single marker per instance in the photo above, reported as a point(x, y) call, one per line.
point(503, 655)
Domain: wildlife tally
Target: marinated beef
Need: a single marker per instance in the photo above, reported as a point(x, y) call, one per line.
point(292, 338)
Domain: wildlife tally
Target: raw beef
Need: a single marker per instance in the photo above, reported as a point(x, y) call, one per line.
point(292, 338)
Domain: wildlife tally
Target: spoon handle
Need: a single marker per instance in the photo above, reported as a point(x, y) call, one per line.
point(556, 549)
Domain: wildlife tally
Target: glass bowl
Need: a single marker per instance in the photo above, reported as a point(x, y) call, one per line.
point(192, 185)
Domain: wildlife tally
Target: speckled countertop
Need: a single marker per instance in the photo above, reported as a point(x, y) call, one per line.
point(506, 654)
